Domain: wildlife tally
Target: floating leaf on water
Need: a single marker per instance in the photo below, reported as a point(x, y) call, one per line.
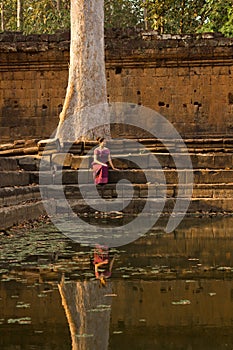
point(22, 305)
point(102, 306)
point(84, 335)
point(190, 281)
point(22, 320)
point(99, 309)
point(114, 250)
point(75, 274)
point(224, 268)
point(181, 302)
point(117, 332)
point(42, 295)
point(88, 274)
point(93, 310)
point(7, 279)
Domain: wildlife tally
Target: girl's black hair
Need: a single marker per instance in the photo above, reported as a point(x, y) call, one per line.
point(100, 139)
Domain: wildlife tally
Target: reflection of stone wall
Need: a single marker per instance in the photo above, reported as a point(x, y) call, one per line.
point(187, 79)
point(204, 241)
point(147, 303)
point(41, 304)
point(208, 240)
point(142, 312)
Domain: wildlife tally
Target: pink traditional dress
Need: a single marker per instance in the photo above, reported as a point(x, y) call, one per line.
point(101, 256)
point(100, 172)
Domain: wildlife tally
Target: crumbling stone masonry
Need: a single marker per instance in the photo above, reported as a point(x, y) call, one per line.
point(188, 79)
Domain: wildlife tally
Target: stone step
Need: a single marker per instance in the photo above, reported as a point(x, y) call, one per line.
point(141, 191)
point(204, 144)
point(136, 176)
point(14, 178)
point(210, 160)
point(199, 161)
point(211, 144)
point(8, 164)
point(21, 147)
point(121, 143)
point(16, 195)
point(136, 206)
point(17, 214)
point(138, 192)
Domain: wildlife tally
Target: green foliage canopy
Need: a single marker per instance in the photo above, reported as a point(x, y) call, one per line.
point(165, 16)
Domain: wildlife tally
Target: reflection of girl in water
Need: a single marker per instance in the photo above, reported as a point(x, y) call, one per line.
point(103, 264)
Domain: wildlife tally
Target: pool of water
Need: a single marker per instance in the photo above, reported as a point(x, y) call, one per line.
point(167, 291)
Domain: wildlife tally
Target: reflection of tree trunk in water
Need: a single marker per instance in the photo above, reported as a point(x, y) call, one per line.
point(88, 313)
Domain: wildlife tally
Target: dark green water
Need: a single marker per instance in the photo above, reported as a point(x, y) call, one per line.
point(167, 291)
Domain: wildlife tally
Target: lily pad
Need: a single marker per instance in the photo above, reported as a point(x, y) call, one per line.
point(181, 302)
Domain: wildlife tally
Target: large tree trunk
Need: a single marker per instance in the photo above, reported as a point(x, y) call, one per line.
point(86, 97)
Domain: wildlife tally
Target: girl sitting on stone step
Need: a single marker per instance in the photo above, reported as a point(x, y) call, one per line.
point(99, 165)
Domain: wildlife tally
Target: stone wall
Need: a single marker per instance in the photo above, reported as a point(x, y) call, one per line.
point(188, 79)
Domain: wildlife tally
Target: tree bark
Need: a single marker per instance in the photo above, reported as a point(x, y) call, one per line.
point(145, 16)
point(59, 5)
point(2, 16)
point(86, 97)
point(19, 14)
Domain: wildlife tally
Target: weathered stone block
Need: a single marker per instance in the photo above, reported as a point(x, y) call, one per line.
point(223, 161)
point(13, 178)
point(14, 215)
point(28, 163)
point(72, 177)
point(61, 159)
point(81, 161)
point(7, 164)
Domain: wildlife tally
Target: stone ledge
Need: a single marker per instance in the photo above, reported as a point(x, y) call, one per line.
point(8, 164)
point(13, 178)
point(137, 176)
point(128, 42)
point(16, 214)
point(200, 205)
point(211, 191)
point(16, 195)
